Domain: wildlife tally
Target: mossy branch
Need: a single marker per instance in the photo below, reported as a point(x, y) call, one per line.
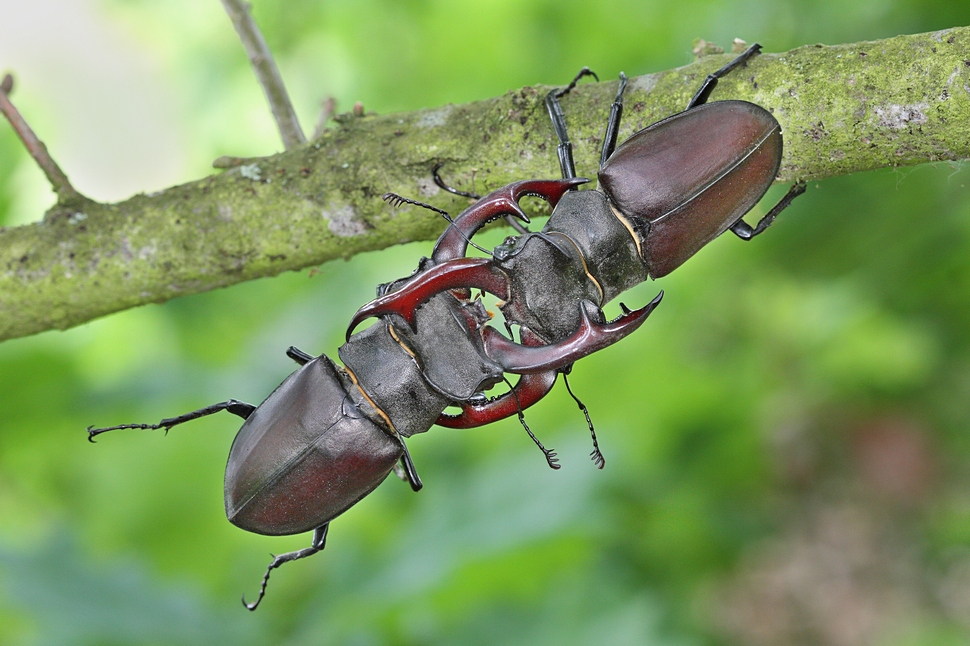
point(895, 102)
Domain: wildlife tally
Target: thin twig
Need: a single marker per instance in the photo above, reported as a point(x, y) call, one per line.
point(327, 110)
point(36, 148)
point(266, 72)
point(228, 161)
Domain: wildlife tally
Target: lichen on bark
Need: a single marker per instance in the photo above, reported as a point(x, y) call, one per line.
point(843, 109)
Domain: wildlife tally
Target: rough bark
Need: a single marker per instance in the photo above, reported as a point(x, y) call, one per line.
point(895, 102)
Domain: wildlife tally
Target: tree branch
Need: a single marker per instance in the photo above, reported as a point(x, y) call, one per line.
point(58, 180)
point(848, 108)
point(267, 73)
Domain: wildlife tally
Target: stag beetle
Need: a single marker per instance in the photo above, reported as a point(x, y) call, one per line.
point(328, 435)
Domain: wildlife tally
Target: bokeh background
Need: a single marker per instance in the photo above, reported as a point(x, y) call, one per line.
point(787, 440)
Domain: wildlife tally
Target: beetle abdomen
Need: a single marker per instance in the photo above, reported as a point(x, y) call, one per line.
point(686, 179)
point(305, 455)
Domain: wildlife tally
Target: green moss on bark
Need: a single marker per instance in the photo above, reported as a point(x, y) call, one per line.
point(848, 108)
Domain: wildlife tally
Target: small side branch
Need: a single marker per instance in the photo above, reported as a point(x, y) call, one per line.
point(266, 72)
point(36, 148)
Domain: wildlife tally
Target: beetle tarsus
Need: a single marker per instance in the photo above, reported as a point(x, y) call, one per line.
point(238, 408)
point(317, 544)
point(704, 92)
point(744, 230)
point(565, 148)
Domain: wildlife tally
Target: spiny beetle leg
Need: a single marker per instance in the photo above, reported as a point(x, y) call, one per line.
point(589, 338)
point(475, 273)
point(505, 201)
point(527, 391)
point(316, 545)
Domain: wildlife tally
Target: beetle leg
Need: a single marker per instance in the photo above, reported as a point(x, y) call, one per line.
point(477, 273)
point(410, 473)
point(744, 231)
point(565, 148)
point(551, 458)
point(613, 124)
point(475, 196)
point(298, 355)
point(504, 201)
point(710, 82)
point(242, 409)
point(316, 545)
point(454, 191)
point(527, 391)
point(588, 338)
point(596, 455)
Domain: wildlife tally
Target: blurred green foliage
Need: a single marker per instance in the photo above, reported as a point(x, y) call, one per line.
point(787, 440)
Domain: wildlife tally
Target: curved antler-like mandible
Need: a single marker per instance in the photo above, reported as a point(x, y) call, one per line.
point(528, 390)
point(505, 201)
point(473, 273)
point(587, 339)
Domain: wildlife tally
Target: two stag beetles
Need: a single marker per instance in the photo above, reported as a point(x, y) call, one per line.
point(329, 435)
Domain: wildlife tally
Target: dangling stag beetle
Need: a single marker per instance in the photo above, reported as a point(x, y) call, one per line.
point(327, 436)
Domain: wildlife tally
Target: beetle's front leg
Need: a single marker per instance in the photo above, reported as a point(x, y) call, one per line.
point(316, 545)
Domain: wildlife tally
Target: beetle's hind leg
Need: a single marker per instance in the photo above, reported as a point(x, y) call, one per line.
point(242, 409)
point(316, 545)
point(710, 82)
point(744, 230)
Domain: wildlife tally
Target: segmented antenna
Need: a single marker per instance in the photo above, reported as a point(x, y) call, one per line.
point(551, 458)
point(396, 200)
